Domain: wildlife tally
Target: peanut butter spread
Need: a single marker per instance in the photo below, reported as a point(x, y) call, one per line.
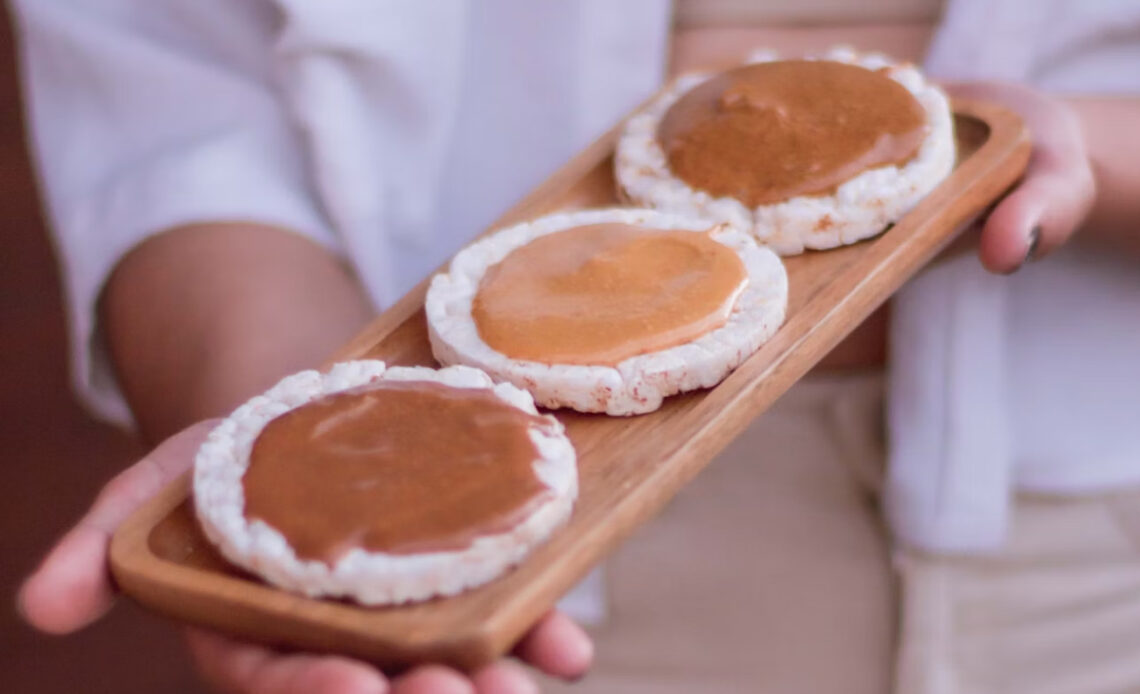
point(768, 132)
point(601, 293)
point(398, 466)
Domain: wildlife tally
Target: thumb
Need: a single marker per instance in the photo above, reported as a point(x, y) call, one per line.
point(1037, 217)
point(72, 586)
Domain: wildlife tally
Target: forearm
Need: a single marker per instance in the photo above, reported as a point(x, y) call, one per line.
point(1108, 124)
point(199, 318)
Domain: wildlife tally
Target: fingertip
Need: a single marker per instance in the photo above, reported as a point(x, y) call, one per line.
point(233, 665)
point(1006, 239)
point(577, 654)
point(433, 679)
point(504, 677)
point(71, 587)
point(336, 675)
point(558, 647)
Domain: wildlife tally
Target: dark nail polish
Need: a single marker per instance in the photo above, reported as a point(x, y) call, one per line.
point(1034, 241)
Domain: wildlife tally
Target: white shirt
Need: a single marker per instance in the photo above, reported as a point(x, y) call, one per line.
point(391, 132)
point(1029, 382)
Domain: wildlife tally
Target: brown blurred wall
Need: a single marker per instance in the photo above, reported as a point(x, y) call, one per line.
point(54, 456)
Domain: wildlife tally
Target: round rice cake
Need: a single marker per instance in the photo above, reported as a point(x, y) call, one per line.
point(639, 383)
point(858, 208)
point(371, 577)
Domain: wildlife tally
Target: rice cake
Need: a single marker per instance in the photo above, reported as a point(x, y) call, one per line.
point(853, 209)
point(409, 565)
point(635, 384)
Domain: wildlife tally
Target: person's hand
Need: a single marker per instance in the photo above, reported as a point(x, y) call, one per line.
point(1058, 189)
point(72, 588)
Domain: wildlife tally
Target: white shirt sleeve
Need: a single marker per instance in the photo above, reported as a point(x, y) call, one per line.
point(149, 114)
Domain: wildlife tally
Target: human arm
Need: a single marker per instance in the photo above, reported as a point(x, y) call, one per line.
point(1108, 124)
point(203, 317)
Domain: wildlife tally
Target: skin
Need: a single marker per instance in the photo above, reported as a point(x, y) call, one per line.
point(217, 312)
point(1082, 177)
point(1057, 191)
point(1114, 160)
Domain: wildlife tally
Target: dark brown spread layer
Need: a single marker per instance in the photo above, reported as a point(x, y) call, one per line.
point(601, 293)
point(768, 132)
point(398, 467)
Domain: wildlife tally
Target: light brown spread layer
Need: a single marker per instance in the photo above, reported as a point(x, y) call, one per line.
point(602, 293)
point(768, 132)
point(397, 467)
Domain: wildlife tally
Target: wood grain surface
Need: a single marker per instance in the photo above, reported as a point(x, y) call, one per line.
point(629, 467)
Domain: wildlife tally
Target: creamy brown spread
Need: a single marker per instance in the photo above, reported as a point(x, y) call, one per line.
point(767, 132)
point(601, 293)
point(397, 467)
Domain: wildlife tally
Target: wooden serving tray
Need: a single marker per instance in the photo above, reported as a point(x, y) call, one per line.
point(629, 467)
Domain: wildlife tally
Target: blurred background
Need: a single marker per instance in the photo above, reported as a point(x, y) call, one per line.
point(40, 428)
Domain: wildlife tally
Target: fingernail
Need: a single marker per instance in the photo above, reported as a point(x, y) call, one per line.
point(1034, 241)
